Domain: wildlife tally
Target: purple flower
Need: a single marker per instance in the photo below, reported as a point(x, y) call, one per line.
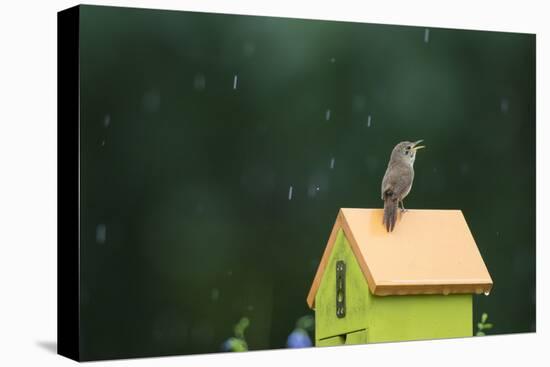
point(298, 339)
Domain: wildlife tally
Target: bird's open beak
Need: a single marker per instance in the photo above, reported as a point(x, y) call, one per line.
point(416, 146)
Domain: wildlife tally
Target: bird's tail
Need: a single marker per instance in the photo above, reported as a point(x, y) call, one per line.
point(390, 211)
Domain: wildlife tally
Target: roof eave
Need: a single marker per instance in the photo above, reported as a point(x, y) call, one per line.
point(442, 289)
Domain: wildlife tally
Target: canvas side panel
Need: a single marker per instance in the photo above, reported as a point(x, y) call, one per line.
point(68, 178)
point(327, 324)
point(416, 317)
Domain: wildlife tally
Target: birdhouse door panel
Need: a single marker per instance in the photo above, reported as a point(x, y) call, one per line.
point(342, 301)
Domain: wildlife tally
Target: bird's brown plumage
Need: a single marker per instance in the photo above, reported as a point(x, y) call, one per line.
point(398, 180)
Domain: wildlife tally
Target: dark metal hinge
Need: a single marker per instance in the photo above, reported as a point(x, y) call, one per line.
point(340, 289)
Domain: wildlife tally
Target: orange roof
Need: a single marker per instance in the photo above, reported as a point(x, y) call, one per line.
point(429, 252)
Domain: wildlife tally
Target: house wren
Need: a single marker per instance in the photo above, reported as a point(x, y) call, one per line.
point(398, 180)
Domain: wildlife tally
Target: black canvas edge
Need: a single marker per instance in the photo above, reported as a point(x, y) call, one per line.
point(68, 184)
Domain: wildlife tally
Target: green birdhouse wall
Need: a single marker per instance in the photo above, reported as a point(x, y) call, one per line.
point(411, 284)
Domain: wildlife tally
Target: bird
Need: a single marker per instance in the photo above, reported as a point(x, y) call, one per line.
point(398, 180)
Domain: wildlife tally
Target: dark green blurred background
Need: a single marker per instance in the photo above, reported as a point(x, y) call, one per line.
point(194, 127)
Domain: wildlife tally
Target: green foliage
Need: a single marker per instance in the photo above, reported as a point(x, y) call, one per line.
point(483, 325)
point(237, 343)
point(240, 327)
point(306, 322)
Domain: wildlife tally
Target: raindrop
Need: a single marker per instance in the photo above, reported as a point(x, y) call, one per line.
point(107, 120)
point(101, 233)
point(486, 293)
point(504, 105)
point(327, 115)
point(332, 60)
point(151, 101)
point(199, 82)
point(426, 35)
point(215, 294)
point(250, 308)
point(290, 193)
point(446, 291)
point(235, 82)
point(312, 190)
point(332, 161)
point(464, 168)
point(358, 103)
point(103, 143)
point(369, 119)
point(249, 48)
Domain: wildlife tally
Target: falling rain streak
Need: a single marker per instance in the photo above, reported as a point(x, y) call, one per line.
point(215, 294)
point(290, 193)
point(332, 163)
point(199, 82)
point(106, 123)
point(426, 35)
point(151, 100)
point(101, 233)
point(327, 115)
point(235, 82)
point(368, 121)
point(504, 105)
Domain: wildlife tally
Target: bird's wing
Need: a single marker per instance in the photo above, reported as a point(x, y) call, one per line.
point(397, 181)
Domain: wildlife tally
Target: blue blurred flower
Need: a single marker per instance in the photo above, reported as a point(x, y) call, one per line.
point(298, 339)
point(227, 345)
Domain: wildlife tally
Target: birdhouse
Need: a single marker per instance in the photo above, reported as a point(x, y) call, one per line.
point(414, 283)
